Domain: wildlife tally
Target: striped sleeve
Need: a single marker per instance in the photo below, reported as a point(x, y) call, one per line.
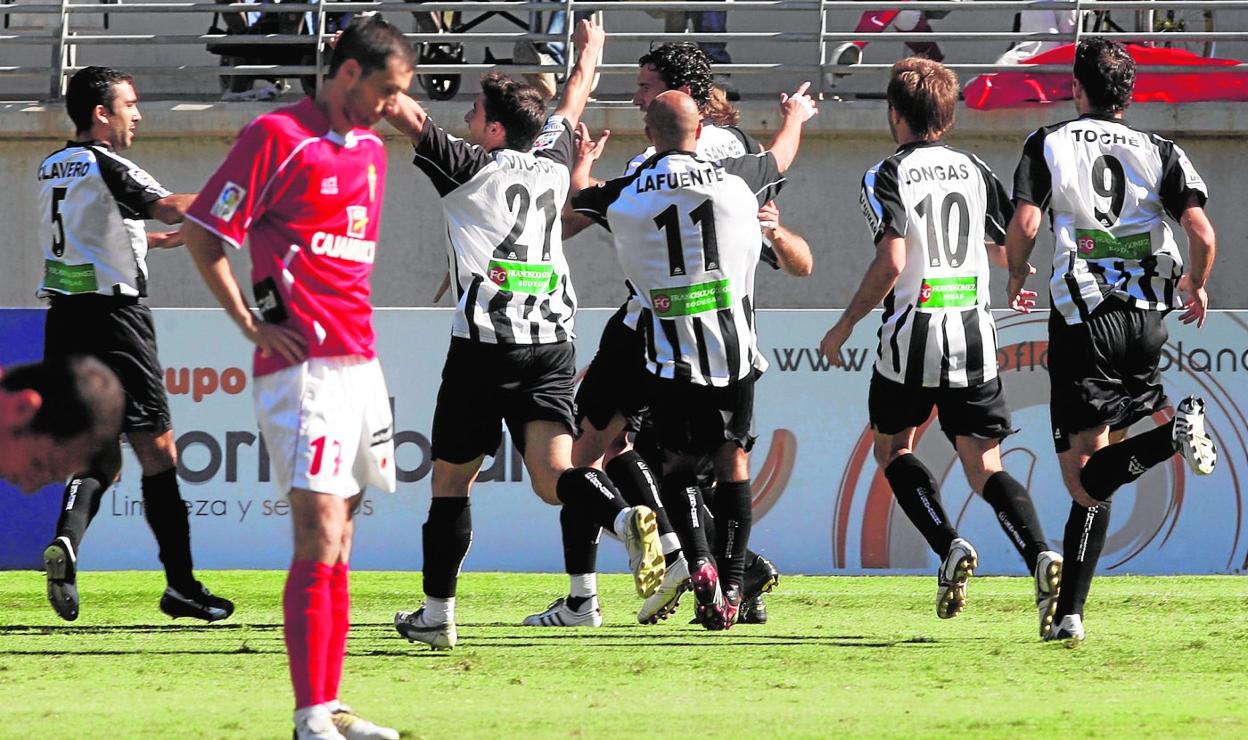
point(1033, 182)
point(880, 199)
point(998, 210)
point(1180, 181)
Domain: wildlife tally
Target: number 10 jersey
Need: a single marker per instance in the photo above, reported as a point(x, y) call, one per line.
point(937, 329)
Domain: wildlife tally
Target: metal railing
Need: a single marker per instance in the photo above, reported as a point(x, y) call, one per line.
point(65, 38)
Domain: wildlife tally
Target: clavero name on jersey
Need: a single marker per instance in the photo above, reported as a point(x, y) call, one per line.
point(58, 170)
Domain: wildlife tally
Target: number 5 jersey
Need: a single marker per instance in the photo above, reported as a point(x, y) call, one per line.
point(937, 330)
point(1107, 188)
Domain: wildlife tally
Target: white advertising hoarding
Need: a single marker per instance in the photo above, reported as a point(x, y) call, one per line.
point(821, 504)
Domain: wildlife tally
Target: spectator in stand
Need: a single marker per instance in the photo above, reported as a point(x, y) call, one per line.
point(878, 21)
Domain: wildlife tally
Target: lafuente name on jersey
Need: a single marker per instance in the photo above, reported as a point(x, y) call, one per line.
point(344, 247)
point(937, 173)
point(674, 180)
point(58, 170)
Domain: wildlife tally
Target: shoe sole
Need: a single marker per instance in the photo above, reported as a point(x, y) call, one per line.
point(650, 571)
point(708, 610)
point(189, 614)
point(954, 600)
point(1053, 582)
point(56, 565)
point(1201, 454)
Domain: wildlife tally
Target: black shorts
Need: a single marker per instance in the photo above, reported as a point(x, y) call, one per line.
point(119, 331)
point(1104, 371)
point(979, 411)
point(613, 382)
point(484, 385)
point(697, 419)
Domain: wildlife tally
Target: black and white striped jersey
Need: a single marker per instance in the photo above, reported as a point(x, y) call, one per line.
point(1107, 188)
point(502, 211)
point(715, 143)
point(937, 330)
point(92, 203)
point(687, 235)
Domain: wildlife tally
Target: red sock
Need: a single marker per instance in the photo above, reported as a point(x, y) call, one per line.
point(340, 599)
point(308, 623)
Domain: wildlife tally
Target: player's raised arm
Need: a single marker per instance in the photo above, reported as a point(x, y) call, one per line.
point(408, 116)
point(796, 109)
point(588, 40)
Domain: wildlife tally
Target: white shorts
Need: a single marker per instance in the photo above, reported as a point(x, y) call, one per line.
point(327, 425)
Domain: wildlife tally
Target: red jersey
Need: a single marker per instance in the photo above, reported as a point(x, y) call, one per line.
point(309, 201)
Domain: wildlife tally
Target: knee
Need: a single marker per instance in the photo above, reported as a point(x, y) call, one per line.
point(886, 455)
point(546, 485)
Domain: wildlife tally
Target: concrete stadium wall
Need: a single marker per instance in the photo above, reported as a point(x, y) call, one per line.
point(181, 143)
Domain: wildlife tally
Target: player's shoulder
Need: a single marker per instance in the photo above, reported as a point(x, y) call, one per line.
point(733, 132)
point(295, 122)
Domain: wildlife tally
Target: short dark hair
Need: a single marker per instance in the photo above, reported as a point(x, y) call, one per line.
point(1107, 73)
point(682, 64)
point(924, 93)
point(80, 396)
point(371, 41)
point(89, 87)
point(519, 108)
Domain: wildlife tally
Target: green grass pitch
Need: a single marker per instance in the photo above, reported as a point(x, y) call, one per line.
point(1165, 657)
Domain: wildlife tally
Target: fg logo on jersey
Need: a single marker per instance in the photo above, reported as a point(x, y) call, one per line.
point(228, 201)
point(357, 221)
point(662, 303)
point(1086, 244)
point(498, 275)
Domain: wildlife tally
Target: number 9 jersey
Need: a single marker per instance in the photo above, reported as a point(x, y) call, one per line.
point(1107, 188)
point(937, 329)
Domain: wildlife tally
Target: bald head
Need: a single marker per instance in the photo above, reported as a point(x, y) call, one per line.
point(673, 121)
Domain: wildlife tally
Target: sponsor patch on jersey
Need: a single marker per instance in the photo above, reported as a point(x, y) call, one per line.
point(691, 299)
point(1091, 244)
point(147, 182)
point(228, 201)
point(521, 277)
point(949, 292)
point(357, 221)
point(868, 212)
point(550, 134)
point(329, 185)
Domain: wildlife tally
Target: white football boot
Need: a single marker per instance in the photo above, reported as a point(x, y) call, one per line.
point(413, 626)
point(559, 614)
point(955, 569)
point(663, 602)
point(645, 554)
point(1048, 585)
point(1190, 438)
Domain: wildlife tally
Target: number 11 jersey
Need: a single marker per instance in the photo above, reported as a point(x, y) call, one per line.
point(937, 329)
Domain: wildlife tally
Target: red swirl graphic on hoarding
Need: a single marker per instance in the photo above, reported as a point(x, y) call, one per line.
point(1160, 494)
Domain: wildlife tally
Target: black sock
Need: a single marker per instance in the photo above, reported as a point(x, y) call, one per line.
point(1116, 465)
point(1085, 538)
point(447, 537)
point(916, 492)
point(580, 542)
point(683, 502)
point(166, 515)
point(1016, 515)
point(632, 475)
point(592, 494)
point(733, 518)
point(706, 504)
point(79, 505)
